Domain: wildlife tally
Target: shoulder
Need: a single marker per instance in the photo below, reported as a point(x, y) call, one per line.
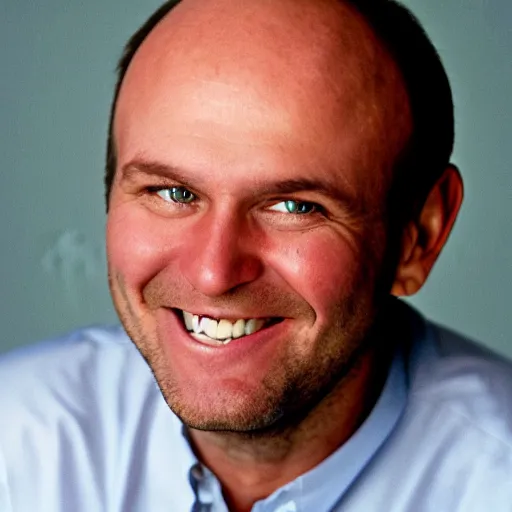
point(465, 379)
point(453, 442)
point(83, 375)
point(75, 363)
point(90, 372)
point(458, 420)
point(76, 414)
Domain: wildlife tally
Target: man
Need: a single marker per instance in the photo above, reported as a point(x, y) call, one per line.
point(277, 174)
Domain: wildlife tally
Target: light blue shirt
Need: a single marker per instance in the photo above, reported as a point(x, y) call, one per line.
point(84, 429)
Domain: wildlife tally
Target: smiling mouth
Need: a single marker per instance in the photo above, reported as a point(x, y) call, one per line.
point(221, 331)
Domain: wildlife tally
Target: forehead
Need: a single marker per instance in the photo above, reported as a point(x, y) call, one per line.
point(271, 70)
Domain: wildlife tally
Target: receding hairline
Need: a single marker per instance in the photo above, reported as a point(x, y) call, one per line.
point(342, 51)
point(340, 55)
point(163, 14)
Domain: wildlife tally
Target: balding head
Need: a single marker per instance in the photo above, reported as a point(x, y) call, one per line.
point(357, 45)
point(296, 63)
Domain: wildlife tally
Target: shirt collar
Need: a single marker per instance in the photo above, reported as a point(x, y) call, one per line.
point(323, 486)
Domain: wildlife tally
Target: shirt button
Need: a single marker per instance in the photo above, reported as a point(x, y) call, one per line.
point(197, 472)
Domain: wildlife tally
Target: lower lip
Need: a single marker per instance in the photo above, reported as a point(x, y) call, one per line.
point(172, 331)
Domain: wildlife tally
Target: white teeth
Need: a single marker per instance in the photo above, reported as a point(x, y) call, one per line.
point(210, 328)
point(239, 328)
point(250, 326)
point(253, 325)
point(224, 329)
point(220, 330)
point(195, 324)
point(203, 322)
point(189, 318)
point(206, 339)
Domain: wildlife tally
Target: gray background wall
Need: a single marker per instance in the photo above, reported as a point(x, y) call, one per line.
point(56, 78)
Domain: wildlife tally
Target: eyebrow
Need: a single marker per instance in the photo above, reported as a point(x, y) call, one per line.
point(131, 170)
point(340, 195)
point(309, 185)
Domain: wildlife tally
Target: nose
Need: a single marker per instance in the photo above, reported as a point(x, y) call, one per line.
point(222, 254)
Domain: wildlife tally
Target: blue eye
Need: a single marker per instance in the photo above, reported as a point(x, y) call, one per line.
point(176, 195)
point(297, 207)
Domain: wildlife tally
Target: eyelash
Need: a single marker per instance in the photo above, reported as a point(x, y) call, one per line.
point(316, 208)
point(155, 189)
point(177, 189)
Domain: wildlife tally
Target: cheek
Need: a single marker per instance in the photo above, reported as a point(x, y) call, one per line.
point(322, 268)
point(135, 245)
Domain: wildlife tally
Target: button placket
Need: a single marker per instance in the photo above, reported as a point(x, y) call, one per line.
point(201, 486)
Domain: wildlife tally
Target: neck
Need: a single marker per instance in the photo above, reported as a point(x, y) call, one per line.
point(252, 466)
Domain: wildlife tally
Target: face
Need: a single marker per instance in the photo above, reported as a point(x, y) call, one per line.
point(246, 232)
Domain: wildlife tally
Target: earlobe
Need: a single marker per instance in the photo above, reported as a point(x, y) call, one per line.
point(424, 237)
point(409, 275)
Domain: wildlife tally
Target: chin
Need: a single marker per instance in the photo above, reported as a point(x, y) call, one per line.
point(225, 410)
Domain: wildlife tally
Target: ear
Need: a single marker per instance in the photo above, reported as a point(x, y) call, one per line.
point(425, 236)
